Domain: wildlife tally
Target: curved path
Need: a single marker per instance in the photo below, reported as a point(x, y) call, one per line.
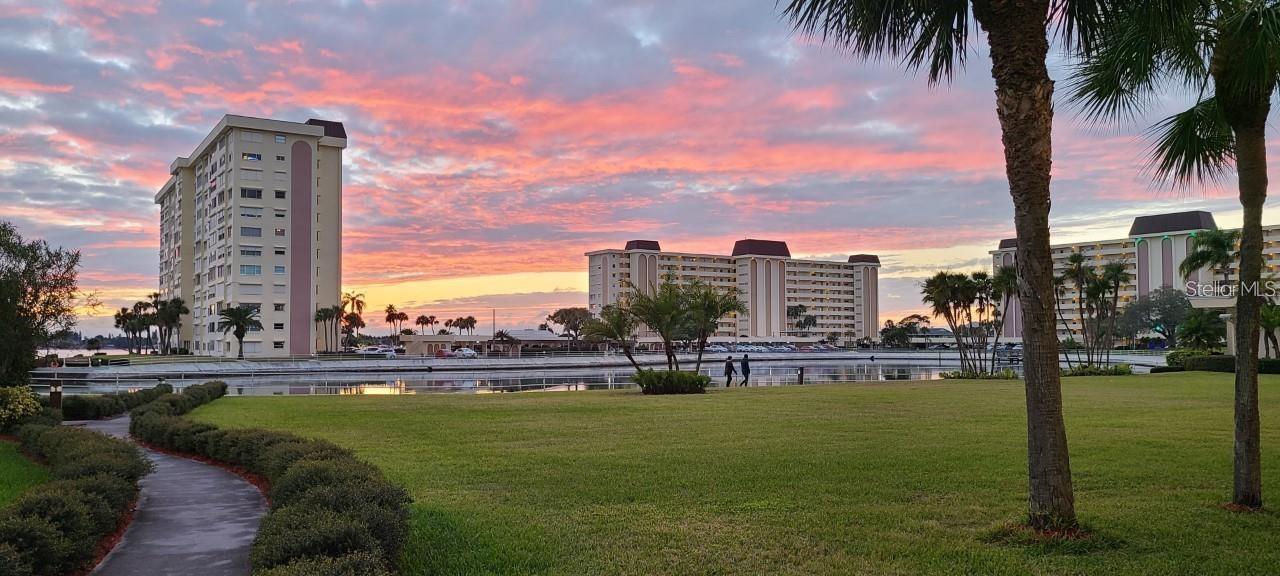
point(191, 518)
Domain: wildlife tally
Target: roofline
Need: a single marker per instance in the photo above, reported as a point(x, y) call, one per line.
point(254, 123)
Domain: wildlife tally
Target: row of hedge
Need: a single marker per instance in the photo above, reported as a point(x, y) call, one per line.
point(97, 407)
point(331, 513)
point(55, 528)
point(1226, 363)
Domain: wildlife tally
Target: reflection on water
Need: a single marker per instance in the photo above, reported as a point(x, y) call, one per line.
point(562, 380)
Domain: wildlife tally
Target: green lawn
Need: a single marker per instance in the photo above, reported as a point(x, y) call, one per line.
point(17, 473)
point(896, 478)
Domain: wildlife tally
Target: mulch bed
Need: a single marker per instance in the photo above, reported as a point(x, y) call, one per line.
point(257, 480)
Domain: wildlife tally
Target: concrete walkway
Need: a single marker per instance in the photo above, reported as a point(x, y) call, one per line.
point(192, 518)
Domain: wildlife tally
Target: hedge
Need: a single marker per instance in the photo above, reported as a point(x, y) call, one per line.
point(331, 513)
point(54, 528)
point(1159, 369)
point(97, 407)
point(671, 382)
point(1225, 363)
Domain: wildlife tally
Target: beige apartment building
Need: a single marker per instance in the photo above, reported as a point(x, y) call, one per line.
point(1152, 252)
point(842, 296)
point(254, 217)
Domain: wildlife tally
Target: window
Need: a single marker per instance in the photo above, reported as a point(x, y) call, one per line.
point(279, 289)
point(250, 232)
point(279, 231)
point(282, 176)
point(278, 326)
point(251, 175)
point(251, 157)
point(251, 193)
point(280, 213)
point(278, 307)
point(251, 136)
point(251, 269)
point(250, 212)
point(278, 344)
point(279, 251)
point(253, 252)
point(279, 270)
point(280, 194)
point(250, 289)
point(279, 158)
point(280, 138)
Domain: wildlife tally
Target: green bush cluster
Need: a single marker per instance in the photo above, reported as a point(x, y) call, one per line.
point(671, 382)
point(332, 514)
point(1211, 363)
point(1160, 369)
point(1004, 374)
point(96, 407)
point(55, 527)
point(1178, 356)
point(17, 404)
point(1092, 370)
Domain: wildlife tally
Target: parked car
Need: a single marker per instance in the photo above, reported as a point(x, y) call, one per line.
point(382, 351)
point(939, 347)
point(444, 353)
point(716, 348)
point(465, 353)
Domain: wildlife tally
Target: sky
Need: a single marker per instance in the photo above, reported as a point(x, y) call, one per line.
point(492, 143)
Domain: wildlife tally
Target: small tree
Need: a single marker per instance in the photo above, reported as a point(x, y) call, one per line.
point(239, 321)
point(570, 320)
point(615, 327)
point(705, 306)
point(1203, 329)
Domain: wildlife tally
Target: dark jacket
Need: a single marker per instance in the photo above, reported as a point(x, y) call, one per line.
point(746, 366)
point(728, 367)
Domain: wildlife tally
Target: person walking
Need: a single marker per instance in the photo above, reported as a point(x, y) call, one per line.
point(746, 369)
point(728, 372)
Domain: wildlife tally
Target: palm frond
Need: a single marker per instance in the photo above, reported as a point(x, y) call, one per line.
point(1193, 146)
point(1251, 36)
point(921, 33)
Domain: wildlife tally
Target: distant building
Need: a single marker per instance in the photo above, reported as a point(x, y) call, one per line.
point(254, 217)
point(1152, 252)
point(842, 296)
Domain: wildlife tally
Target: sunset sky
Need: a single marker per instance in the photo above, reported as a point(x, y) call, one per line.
point(491, 144)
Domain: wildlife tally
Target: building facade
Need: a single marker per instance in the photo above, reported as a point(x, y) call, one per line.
point(254, 217)
point(842, 296)
point(1152, 253)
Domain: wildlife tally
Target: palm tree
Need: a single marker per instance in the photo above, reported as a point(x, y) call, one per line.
point(447, 325)
point(1224, 52)
point(1004, 288)
point(1269, 322)
point(1213, 249)
point(422, 322)
point(937, 34)
point(354, 301)
point(1080, 274)
point(661, 309)
point(169, 318)
point(614, 326)
point(239, 321)
point(322, 318)
point(354, 322)
point(943, 292)
point(707, 305)
point(392, 317)
point(1116, 275)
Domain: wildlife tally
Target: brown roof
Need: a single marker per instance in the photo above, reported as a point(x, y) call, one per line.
point(864, 259)
point(642, 245)
point(1175, 222)
point(1008, 243)
point(761, 248)
point(332, 129)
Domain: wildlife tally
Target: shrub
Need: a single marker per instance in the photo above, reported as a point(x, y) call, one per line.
point(381, 506)
point(1005, 374)
point(292, 533)
point(1159, 369)
point(96, 407)
point(310, 473)
point(17, 404)
point(275, 460)
point(671, 382)
point(1177, 356)
point(354, 564)
point(38, 544)
point(1215, 363)
point(12, 563)
point(66, 510)
point(1092, 370)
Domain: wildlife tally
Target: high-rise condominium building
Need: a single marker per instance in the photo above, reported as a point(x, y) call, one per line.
point(841, 296)
point(1152, 253)
point(253, 217)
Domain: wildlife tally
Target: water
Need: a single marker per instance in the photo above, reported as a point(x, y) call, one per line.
point(561, 380)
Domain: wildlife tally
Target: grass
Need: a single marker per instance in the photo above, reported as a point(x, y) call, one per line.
point(17, 473)
point(893, 478)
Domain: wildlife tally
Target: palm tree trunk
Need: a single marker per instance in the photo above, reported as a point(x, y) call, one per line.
point(1024, 105)
point(1251, 165)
